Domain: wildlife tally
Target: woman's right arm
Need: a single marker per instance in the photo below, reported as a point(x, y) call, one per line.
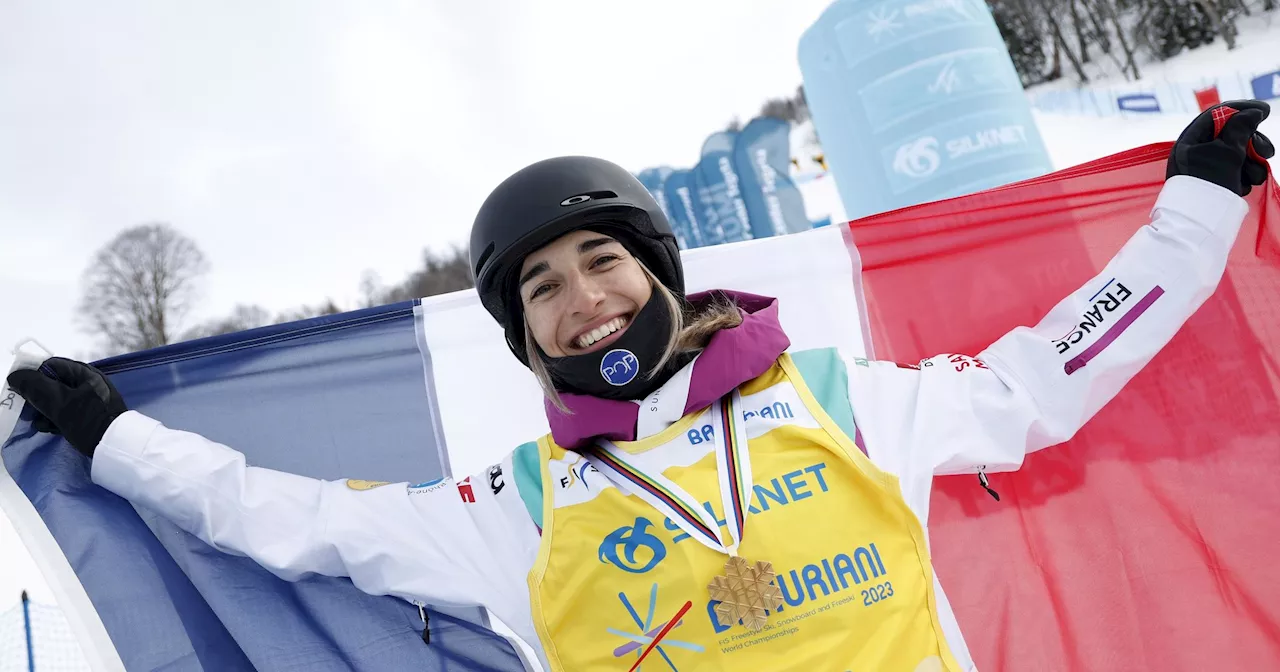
point(440, 542)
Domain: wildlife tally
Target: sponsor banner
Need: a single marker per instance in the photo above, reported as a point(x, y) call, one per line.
point(937, 81)
point(1138, 102)
point(724, 211)
point(959, 145)
point(882, 26)
point(654, 179)
point(1266, 87)
point(763, 157)
point(907, 80)
point(685, 206)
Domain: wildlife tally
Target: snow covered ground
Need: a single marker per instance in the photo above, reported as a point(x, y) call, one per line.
point(1070, 139)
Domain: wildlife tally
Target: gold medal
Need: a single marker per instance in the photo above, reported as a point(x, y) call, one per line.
point(747, 593)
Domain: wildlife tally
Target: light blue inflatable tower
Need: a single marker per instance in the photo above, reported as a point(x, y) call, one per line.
point(916, 101)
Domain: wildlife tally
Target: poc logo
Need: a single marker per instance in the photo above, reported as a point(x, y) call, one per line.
point(619, 367)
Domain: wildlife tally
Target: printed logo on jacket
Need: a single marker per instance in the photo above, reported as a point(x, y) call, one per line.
point(1111, 311)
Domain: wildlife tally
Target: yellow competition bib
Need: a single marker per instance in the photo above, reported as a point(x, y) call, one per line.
point(617, 581)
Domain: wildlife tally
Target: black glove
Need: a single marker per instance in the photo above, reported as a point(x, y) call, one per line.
point(1223, 146)
point(72, 399)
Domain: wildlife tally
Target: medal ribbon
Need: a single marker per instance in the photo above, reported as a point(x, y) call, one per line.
point(733, 467)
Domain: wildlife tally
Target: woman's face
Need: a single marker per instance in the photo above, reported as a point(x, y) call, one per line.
point(581, 292)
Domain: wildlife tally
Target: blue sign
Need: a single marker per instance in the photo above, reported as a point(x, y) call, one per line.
point(725, 218)
point(763, 158)
point(654, 179)
point(915, 101)
point(1266, 86)
point(1138, 102)
point(685, 206)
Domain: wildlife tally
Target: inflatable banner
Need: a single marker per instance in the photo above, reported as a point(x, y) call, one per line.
point(654, 179)
point(685, 207)
point(916, 101)
point(725, 218)
point(762, 155)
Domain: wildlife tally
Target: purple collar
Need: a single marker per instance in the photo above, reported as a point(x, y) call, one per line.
point(732, 357)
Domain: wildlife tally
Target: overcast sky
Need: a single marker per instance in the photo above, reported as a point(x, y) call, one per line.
point(301, 143)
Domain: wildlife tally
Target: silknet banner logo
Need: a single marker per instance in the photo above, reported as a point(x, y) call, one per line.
point(946, 149)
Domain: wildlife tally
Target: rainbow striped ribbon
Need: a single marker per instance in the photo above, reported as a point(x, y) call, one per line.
point(733, 465)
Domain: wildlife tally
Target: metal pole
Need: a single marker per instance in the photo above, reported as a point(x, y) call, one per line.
point(26, 623)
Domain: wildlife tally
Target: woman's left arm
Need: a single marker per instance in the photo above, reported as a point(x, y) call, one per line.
point(1035, 387)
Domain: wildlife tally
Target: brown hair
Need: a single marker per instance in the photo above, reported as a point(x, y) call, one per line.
point(691, 330)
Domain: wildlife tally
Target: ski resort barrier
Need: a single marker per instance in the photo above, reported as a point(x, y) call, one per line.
point(1156, 96)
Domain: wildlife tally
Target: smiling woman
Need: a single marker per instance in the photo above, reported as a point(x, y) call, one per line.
point(672, 416)
point(569, 279)
point(581, 295)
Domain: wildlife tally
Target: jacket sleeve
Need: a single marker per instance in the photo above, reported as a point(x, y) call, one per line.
point(1035, 387)
point(441, 542)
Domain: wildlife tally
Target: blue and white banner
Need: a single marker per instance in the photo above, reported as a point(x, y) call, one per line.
point(762, 155)
point(654, 179)
point(1166, 96)
point(725, 218)
point(685, 206)
point(1138, 102)
point(915, 101)
point(1266, 86)
point(376, 394)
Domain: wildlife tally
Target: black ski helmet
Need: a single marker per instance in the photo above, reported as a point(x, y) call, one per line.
point(548, 199)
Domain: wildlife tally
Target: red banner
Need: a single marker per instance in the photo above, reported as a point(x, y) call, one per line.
point(1148, 541)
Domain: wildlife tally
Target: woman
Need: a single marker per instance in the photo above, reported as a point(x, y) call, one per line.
point(704, 496)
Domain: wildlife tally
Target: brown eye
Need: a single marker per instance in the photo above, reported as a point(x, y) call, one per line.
point(604, 259)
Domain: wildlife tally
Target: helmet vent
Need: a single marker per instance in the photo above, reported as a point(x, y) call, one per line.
point(589, 196)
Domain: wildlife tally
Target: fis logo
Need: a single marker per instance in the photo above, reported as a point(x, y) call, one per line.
point(619, 367)
point(948, 80)
point(631, 539)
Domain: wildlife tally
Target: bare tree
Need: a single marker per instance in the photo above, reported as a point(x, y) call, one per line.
point(242, 318)
point(1061, 46)
point(328, 307)
point(440, 274)
point(139, 286)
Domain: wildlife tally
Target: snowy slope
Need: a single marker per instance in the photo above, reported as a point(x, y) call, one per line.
point(1257, 51)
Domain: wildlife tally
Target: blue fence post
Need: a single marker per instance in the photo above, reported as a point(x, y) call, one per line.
point(26, 625)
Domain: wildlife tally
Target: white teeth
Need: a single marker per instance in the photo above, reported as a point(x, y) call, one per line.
point(587, 339)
